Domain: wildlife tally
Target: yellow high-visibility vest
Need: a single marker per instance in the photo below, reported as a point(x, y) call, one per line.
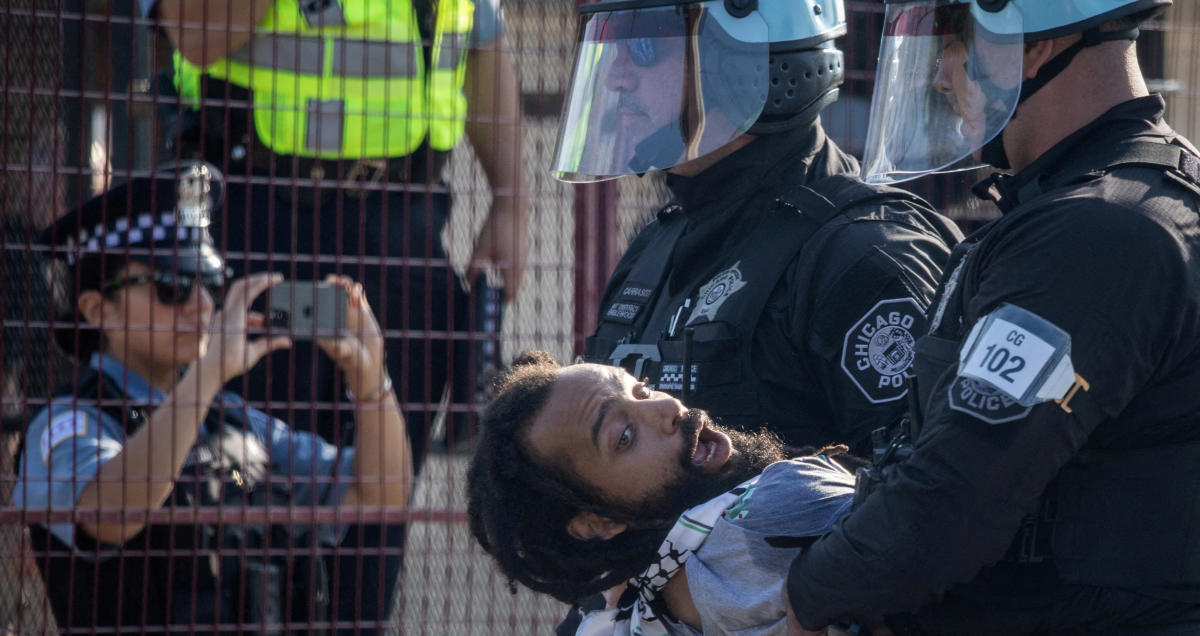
point(347, 78)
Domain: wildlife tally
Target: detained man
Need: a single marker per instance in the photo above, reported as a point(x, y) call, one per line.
point(586, 479)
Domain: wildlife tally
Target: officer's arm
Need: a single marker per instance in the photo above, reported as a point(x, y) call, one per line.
point(383, 461)
point(142, 475)
point(980, 465)
point(204, 31)
point(494, 128)
point(861, 315)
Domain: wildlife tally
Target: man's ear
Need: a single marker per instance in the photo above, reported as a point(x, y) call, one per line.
point(1036, 56)
point(91, 306)
point(589, 525)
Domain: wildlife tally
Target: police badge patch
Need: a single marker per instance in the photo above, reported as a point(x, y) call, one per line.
point(713, 294)
point(880, 347)
point(983, 401)
point(194, 198)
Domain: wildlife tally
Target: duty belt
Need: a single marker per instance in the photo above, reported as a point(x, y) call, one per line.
point(359, 177)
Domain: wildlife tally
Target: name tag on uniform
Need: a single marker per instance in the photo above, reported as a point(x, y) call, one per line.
point(1020, 354)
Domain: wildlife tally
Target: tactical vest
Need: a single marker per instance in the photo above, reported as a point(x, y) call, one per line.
point(348, 78)
point(1096, 520)
point(695, 344)
point(179, 574)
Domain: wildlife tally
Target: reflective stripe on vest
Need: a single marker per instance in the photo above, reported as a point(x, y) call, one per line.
point(347, 78)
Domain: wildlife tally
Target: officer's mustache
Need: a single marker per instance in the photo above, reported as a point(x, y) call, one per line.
point(628, 103)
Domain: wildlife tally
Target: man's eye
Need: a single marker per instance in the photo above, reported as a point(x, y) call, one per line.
point(643, 392)
point(625, 438)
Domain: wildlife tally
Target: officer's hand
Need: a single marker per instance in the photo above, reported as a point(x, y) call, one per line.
point(358, 352)
point(503, 242)
point(229, 352)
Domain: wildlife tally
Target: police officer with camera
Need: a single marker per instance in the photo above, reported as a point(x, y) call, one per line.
point(1050, 483)
point(774, 289)
point(146, 429)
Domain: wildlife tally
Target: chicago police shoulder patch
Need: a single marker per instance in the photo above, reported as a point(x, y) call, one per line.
point(61, 428)
point(880, 347)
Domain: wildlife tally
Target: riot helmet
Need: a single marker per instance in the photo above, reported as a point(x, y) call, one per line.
point(950, 76)
point(658, 83)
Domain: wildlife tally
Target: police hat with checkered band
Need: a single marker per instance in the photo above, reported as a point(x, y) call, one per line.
point(161, 220)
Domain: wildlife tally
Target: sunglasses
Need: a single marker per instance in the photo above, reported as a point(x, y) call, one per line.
point(172, 289)
point(642, 51)
point(641, 32)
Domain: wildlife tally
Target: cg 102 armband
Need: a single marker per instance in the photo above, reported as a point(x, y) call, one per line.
point(1011, 360)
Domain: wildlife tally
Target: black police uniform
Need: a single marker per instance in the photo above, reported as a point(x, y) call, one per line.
point(1101, 237)
point(776, 290)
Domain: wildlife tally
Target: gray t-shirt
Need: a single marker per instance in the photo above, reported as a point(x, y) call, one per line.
point(736, 579)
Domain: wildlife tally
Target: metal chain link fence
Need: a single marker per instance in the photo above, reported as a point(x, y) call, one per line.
point(77, 112)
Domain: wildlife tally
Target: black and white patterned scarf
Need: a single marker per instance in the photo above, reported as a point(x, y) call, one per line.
point(641, 610)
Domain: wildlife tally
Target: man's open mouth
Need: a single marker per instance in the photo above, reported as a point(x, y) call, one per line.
point(713, 449)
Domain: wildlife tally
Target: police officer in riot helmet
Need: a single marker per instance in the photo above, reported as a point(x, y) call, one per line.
point(774, 289)
point(1049, 486)
point(145, 429)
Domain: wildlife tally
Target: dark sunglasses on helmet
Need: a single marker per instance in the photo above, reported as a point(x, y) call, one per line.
point(172, 289)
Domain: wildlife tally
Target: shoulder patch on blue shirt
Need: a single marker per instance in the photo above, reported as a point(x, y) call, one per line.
point(65, 426)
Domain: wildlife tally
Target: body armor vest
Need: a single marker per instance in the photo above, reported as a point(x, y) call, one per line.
point(1095, 518)
point(200, 574)
point(347, 79)
point(682, 343)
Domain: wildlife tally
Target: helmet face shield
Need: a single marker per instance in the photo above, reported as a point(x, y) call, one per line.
point(653, 88)
point(944, 88)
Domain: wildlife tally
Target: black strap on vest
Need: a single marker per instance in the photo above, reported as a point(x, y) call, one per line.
point(630, 308)
point(1176, 161)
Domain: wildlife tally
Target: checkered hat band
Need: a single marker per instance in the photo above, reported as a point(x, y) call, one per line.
point(145, 229)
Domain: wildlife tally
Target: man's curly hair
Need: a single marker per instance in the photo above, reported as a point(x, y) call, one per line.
point(519, 507)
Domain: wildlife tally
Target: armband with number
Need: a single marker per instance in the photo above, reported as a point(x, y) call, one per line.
point(1020, 354)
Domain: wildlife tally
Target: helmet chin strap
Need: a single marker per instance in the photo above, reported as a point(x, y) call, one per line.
point(993, 152)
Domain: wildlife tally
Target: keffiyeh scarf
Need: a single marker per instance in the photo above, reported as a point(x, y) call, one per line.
point(641, 610)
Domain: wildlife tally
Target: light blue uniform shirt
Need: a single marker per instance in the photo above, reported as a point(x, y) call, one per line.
point(67, 443)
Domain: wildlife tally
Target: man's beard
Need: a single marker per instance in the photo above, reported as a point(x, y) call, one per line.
point(753, 452)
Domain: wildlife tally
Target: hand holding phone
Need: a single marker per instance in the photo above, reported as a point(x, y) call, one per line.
point(358, 348)
point(307, 310)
